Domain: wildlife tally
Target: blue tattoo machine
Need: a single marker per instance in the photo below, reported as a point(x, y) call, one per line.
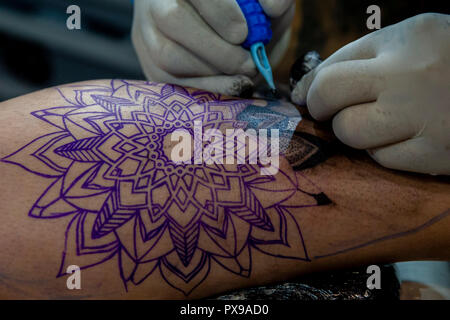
point(259, 34)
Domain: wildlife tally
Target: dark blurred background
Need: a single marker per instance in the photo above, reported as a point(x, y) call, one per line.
point(38, 51)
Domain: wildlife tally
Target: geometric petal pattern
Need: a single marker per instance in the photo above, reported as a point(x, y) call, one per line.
point(110, 169)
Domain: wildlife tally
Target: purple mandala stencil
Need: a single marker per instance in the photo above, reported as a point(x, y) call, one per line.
point(110, 171)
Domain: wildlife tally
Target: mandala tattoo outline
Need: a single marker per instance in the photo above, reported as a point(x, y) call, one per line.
point(110, 172)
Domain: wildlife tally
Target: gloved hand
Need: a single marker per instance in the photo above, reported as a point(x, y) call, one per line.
point(389, 93)
point(196, 43)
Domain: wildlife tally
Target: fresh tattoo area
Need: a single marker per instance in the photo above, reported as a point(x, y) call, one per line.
point(197, 183)
point(129, 200)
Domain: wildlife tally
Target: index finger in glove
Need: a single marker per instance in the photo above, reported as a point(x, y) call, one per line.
point(361, 49)
point(225, 17)
point(180, 22)
point(344, 84)
point(276, 8)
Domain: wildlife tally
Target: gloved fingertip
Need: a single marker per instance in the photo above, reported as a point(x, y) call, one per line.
point(275, 8)
point(241, 87)
point(247, 92)
point(236, 33)
point(299, 74)
point(303, 66)
point(298, 95)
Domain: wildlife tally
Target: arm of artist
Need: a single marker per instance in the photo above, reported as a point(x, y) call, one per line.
point(334, 214)
point(389, 93)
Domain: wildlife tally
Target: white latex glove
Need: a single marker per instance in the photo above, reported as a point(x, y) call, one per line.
point(196, 43)
point(389, 93)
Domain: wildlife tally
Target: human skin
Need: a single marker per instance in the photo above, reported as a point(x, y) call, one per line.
point(338, 210)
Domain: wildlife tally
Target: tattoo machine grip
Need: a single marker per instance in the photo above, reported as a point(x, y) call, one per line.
point(259, 34)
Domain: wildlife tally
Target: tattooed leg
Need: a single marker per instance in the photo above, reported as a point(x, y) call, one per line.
point(111, 172)
point(105, 152)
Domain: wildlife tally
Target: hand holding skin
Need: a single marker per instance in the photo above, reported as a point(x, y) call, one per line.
point(197, 43)
point(389, 93)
